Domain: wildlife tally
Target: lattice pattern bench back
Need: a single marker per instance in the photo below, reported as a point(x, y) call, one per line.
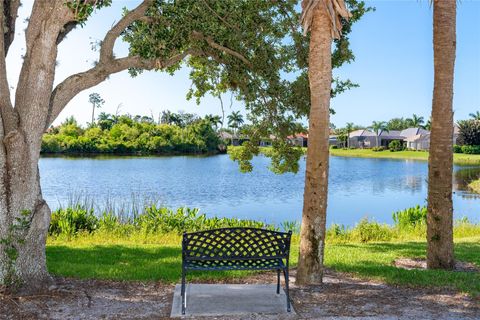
point(236, 243)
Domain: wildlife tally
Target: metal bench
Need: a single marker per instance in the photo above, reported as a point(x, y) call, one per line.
point(236, 249)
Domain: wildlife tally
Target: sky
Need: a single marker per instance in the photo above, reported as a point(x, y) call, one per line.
point(393, 66)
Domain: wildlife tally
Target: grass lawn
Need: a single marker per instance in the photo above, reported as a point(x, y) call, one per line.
point(458, 158)
point(91, 257)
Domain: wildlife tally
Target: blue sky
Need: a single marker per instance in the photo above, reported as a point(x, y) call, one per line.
point(393, 66)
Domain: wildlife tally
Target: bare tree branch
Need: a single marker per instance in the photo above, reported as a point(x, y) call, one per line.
point(10, 10)
point(69, 26)
point(106, 50)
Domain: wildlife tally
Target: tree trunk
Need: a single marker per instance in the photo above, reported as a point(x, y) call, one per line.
point(25, 216)
point(312, 237)
point(440, 162)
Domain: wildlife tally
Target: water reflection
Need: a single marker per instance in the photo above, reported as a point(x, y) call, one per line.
point(462, 178)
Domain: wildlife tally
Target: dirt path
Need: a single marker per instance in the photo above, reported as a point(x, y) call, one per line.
point(340, 297)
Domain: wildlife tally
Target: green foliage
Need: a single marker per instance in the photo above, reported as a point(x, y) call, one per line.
point(367, 231)
point(73, 221)
point(395, 145)
point(411, 217)
point(469, 132)
point(254, 49)
point(70, 221)
point(377, 149)
point(457, 148)
point(467, 149)
point(333, 147)
point(84, 9)
point(131, 135)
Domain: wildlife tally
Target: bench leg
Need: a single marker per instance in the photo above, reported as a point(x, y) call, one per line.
point(184, 298)
point(287, 291)
point(278, 281)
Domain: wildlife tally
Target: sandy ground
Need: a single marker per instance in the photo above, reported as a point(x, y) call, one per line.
point(340, 297)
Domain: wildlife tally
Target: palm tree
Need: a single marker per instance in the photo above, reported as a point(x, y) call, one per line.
point(475, 116)
point(214, 120)
point(349, 127)
point(97, 102)
point(415, 121)
point(428, 125)
point(105, 120)
point(323, 19)
point(235, 120)
point(440, 160)
point(378, 127)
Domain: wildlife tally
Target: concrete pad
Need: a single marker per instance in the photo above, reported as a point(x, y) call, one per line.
point(230, 299)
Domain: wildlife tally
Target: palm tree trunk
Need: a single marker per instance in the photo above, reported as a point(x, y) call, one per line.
point(312, 237)
point(440, 166)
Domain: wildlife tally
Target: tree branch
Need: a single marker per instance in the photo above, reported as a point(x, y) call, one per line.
point(106, 50)
point(200, 36)
point(10, 10)
point(71, 86)
point(7, 112)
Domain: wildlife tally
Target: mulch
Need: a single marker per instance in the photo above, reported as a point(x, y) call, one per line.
point(340, 296)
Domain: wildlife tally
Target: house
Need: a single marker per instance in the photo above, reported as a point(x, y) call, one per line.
point(362, 139)
point(299, 139)
point(234, 141)
point(333, 141)
point(386, 137)
point(267, 142)
point(418, 142)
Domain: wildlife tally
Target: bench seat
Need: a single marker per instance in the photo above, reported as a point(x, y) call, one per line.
point(235, 264)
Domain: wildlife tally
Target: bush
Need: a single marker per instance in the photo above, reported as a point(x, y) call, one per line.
point(410, 217)
point(471, 149)
point(376, 149)
point(395, 145)
point(457, 149)
point(70, 221)
point(128, 136)
point(469, 132)
point(334, 147)
point(366, 231)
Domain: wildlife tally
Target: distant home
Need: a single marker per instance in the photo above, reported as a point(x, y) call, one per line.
point(415, 138)
point(418, 142)
point(235, 141)
point(362, 138)
point(300, 139)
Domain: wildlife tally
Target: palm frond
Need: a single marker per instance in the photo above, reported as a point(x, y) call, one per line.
point(336, 10)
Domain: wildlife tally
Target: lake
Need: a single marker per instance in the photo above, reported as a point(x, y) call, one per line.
point(359, 187)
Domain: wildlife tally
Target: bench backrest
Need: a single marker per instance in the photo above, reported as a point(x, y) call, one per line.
point(236, 243)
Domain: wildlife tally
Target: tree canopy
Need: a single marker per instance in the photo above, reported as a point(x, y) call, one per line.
point(253, 48)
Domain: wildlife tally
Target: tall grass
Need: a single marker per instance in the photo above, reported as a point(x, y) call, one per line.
point(151, 222)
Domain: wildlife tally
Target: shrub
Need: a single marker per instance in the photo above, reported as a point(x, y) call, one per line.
point(334, 147)
point(395, 145)
point(380, 148)
point(471, 149)
point(457, 149)
point(469, 132)
point(70, 221)
point(410, 217)
point(366, 231)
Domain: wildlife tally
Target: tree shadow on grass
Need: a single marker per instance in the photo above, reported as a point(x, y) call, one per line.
point(371, 262)
point(118, 262)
